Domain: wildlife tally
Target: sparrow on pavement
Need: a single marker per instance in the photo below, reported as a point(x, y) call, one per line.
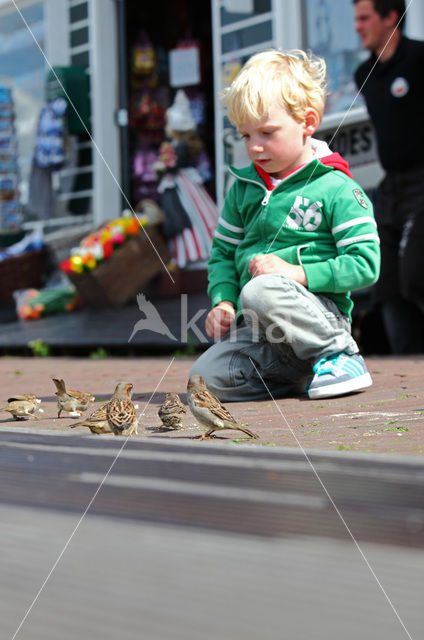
point(117, 416)
point(73, 402)
point(208, 409)
point(172, 411)
point(31, 397)
point(22, 406)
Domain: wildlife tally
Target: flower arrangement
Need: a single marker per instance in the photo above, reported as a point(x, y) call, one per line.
point(31, 304)
point(100, 244)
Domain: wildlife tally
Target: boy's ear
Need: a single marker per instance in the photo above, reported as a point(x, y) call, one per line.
point(311, 122)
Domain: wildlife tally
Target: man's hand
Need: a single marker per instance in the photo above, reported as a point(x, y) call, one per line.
point(270, 263)
point(220, 319)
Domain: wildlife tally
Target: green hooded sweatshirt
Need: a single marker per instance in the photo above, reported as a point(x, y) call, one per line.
point(317, 217)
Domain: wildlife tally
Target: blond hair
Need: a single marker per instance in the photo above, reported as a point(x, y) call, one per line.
point(295, 80)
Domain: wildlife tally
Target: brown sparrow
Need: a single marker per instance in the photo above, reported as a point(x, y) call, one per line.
point(22, 406)
point(73, 402)
point(31, 397)
point(172, 411)
point(117, 416)
point(208, 409)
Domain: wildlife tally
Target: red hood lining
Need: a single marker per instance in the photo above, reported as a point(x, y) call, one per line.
point(334, 160)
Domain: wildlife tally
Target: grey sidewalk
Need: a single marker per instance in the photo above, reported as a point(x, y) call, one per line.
point(230, 539)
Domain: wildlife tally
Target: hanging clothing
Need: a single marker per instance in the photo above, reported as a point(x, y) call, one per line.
point(193, 242)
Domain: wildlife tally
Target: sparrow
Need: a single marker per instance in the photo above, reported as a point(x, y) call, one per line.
point(117, 416)
point(31, 397)
point(208, 409)
point(172, 411)
point(22, 406)
point(73, 402)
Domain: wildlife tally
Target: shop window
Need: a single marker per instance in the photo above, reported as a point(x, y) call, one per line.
point(329, 31)
point(171, 123)
point(79, 37)
point(247, 37)
point(158, 38)
point(237, 10)
point(24, 67)
point(79, 12)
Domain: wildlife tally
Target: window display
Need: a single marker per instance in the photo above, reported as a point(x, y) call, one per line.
point(171, 121)
point(10, 216)
point(25, 67)
point(329, 32)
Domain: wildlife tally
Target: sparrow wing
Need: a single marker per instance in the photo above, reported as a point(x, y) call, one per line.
point(121, 414)
point(26, 396)
point(171, 406)
point(206, 400)
point(81, 396)
point(98, 416)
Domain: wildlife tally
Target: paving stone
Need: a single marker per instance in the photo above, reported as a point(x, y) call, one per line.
point(386, 418)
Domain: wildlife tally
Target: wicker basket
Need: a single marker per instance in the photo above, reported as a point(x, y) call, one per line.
point(20, 272)
point(122, 276)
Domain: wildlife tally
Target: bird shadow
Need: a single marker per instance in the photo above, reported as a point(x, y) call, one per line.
point(157, 398)
point(159, 429)
point(21, 420)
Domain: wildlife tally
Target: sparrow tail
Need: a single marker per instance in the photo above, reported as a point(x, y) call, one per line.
point(60, 385)
point(247, 432)
point(78, 424)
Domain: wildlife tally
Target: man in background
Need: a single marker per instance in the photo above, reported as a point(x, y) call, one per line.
point(391, 81)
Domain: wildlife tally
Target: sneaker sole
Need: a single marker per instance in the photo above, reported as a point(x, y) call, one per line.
point(341, 388)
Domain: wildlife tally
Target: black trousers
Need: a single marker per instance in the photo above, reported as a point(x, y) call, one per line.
point(399, 212)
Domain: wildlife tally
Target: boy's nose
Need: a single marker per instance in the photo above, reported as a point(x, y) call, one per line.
point(256, 146)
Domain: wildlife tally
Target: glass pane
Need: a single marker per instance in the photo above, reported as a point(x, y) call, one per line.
point(236, 10)
point(329, 30)
point(24, 67)
point(79, 12)
point(247, 37)
point(230, 69)
point(81, 59)
point(79, 37)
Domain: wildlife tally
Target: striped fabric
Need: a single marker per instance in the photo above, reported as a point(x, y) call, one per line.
point(229, 232)
point(357, 234)
point(193, 245)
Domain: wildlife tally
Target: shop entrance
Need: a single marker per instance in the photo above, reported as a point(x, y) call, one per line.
point(156, 36)
point(170, 145)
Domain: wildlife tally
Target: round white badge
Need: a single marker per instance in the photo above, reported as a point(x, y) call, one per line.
point(399, 87)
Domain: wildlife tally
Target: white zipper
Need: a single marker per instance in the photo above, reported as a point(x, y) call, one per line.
point(266, 197)
point(259, 184)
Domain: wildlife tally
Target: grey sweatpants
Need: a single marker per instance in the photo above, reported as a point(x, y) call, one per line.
point(286, 329)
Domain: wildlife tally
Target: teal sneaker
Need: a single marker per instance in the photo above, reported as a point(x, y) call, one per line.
point(339, 374)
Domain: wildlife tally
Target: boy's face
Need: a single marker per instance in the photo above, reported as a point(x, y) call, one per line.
point(277, 143)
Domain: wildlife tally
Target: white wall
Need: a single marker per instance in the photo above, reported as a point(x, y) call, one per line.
point(57, 32)
point(415, 19)
point(104, 100)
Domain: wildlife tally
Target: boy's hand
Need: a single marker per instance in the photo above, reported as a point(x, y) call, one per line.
point(270, 263)
point(220, 319)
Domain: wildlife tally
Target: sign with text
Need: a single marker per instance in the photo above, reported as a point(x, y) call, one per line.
point(356, 143)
